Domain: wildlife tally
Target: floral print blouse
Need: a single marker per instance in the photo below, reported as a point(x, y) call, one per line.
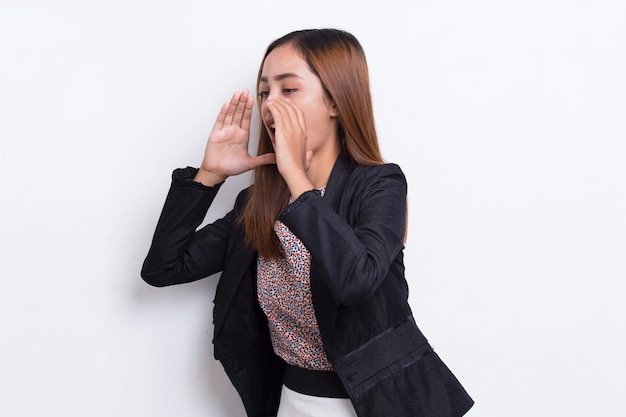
point(284, 293)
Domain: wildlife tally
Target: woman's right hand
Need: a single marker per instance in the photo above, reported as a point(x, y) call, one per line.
point(226, 151)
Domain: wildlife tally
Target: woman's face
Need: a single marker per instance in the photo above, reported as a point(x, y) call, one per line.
point(286, 75)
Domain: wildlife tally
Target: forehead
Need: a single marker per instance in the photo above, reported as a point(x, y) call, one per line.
point(284, 60)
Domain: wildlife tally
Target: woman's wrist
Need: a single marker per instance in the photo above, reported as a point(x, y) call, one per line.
point(298, 186)
point(208, 178)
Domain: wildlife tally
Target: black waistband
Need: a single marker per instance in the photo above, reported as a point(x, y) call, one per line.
point(315, 383)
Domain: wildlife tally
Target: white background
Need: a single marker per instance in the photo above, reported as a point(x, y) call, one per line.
point(508, 119)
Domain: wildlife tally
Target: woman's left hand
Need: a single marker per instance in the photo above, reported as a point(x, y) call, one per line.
point(292, 158)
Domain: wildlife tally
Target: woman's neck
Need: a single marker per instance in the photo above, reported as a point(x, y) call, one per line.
point(322, 165)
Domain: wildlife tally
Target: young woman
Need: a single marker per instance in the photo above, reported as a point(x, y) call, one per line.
point(311, 313)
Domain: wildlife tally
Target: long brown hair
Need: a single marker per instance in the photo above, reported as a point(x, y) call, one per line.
point(337, 59)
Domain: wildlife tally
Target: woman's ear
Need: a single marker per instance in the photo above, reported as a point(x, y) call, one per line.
point(332, 109)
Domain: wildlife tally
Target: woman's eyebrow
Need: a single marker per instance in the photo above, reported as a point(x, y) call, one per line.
point(280, 77)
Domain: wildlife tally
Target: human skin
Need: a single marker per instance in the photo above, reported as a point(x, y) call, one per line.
point(299, 118)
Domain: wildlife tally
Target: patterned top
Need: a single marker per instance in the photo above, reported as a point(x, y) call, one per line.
point(284, 292)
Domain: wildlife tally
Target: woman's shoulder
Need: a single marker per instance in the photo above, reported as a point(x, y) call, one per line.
point(380, 169)
point(360, 181)
point(387, 171)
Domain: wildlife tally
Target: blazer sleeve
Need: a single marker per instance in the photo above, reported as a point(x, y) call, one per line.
point(178, 253)
point(354, 251)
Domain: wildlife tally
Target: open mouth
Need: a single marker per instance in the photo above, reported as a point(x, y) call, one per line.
point(271, 128)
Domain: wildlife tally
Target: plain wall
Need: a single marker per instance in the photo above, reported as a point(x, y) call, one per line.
point(507, 118)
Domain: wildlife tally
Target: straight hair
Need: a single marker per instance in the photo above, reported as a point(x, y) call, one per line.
point(338, 60)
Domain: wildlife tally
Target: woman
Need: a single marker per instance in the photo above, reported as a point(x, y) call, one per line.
point(311, 313)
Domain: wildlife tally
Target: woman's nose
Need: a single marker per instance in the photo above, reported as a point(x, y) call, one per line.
point(270, 96)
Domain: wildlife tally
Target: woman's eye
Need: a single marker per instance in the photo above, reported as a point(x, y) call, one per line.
point(286, 91)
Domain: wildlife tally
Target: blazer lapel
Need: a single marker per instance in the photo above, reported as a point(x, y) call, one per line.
point(338, 177)
point(323, 300)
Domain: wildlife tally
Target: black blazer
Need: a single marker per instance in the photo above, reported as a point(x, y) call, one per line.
point(355, 236)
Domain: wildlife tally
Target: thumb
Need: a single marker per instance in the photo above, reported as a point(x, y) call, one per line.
point(265, 159)
point(308, 159)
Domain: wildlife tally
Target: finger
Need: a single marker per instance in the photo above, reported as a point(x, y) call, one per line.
point(247, 113)
point(265, 159)
point(232, 106)
point(290, 115)
point(301, 119)
point(240, 108)
point(280, 113)
point(296, 113)
point(221, 116)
